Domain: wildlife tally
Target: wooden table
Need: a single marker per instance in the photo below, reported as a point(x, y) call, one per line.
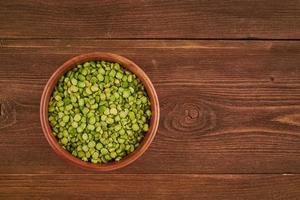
point(227, 75)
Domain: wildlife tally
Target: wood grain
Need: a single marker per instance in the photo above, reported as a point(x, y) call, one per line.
point(226, 106)
point(167, 186)
point(228, 80)
point(150, 19)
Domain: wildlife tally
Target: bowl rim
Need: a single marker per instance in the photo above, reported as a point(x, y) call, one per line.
point(127, 64)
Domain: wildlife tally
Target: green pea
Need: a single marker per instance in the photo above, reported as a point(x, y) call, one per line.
point(64, 141)
point(60, 103)
point(81, 84)
point(102, 96)
point(73, 99)
point(118, 158)
point(85, 110)
point(79, 148)
point(119, 75)
point(88, 154)
point(131, 115)
point(118, 127)
point(135, 127)
point(77, 117)
point(127, 147)
point(107, 111)
point(116, 66)
point(131, 148)
point(88, 91)
point(100, 77)
point(117, 118)
point(94, 88)
point(92, 120)
point(74, 124)
point(113, 154)
point(99, 146)
point(113, 111)
point(125, 85)
point(84, 159)
point(86, 64)
point(126, 93)
point(79, 129)
point(81, 102)
point(122, 132)
point(121, 141)
point(90, 127)
point(62, 123)
point(74, 81)
point(65, 133)
point(94, 80)
point(85, 136)
point(81, 154)
point(107, 157)
point(131, 90)
point(109, 120)
point(112, 73)
point(95, 155)
point(94, 106)
point(73, 88)
point(85, 148)
point(145, 127)
point(83, 119)
point(57, 98)
point(69, 107)
point(66, 118)
point(104, 151)
point(91, 144)
point(95, 161)
point(81, 78)
point(103, 117)
point(148, 113)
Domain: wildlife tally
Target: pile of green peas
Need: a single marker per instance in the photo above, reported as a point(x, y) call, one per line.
point(99, 111)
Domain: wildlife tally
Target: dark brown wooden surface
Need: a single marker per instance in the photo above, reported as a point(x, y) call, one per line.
point(150, 19)
point(149, 186)
point(230, 109)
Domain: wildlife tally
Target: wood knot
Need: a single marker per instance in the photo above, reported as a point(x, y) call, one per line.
point(2, 43)
point(191, 112)
point(290, 119)
point(7, 113)
point(187, 115)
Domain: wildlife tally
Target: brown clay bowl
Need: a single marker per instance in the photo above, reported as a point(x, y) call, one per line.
point(126, 63)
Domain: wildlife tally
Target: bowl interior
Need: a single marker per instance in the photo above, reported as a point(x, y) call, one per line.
point(127, 64)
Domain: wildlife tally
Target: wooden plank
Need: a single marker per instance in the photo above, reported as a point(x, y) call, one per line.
point(150, 19)
point(226, 106)
point(150, 186)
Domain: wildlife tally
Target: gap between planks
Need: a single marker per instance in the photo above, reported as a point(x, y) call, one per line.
point(142, 44)
point(147, 174)
point(149, 38)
